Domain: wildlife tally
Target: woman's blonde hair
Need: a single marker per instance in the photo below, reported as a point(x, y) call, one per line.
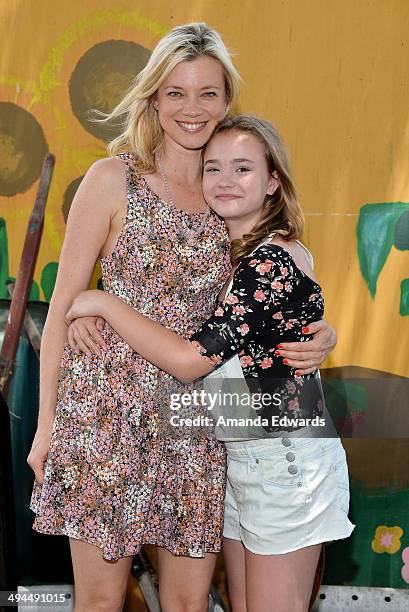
point(282, 213)
point(141, 130)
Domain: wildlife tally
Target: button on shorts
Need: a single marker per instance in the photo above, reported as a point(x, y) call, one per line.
point(286, 493)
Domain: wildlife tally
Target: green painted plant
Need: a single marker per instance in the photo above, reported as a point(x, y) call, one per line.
point(47, 277)
point(381, 226)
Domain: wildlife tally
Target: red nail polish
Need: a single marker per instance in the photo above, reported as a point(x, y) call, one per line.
point(297, 373)
point(277, 353)
point(305, 330)
point(279, 346)
point(285, 361)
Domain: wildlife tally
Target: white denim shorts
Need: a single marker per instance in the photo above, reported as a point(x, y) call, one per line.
point(286, 493)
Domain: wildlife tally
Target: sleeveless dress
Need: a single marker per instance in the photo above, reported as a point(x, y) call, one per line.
point(112, 478)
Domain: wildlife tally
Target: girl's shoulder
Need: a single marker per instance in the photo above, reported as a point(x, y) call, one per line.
point(277, 257)
point(269, 252)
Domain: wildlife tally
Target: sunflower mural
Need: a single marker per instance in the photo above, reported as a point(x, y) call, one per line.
point(22, 152)
point(89, 66)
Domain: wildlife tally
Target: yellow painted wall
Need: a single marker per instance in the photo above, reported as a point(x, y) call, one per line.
point(331, 74)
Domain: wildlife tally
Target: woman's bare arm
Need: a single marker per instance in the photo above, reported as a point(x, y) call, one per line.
point(97, 201)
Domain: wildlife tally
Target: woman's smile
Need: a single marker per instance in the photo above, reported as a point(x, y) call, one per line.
point(192, 128)
point(191, 101)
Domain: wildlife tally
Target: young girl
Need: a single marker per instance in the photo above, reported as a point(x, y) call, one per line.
point(287, 494)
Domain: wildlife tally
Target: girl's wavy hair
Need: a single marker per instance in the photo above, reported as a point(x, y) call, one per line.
point(141, 131)
point(281, 213)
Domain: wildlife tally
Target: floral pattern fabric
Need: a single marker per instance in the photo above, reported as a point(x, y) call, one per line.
point(270, 302)
point(112, 477)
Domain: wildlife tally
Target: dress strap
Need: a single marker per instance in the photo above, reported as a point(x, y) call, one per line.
point(266, 241)
point(310, 258)
point(134, 184)
point(307, 252)
point(128, 159)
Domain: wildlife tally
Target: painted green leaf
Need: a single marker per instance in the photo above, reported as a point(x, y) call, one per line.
point(344, 399)
point(375, 234)
point(401, 240)
point(48, 276)
point(404, 297)
point(353, 394)
point(34, 294)
point(6, 279)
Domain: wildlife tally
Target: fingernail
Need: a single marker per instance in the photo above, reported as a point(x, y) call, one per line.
point(285, 361)
point(277, 353)
point(305, 330)
point(279, 346)
point(297, 373)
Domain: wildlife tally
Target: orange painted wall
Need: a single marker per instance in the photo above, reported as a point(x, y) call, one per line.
point(331, 74)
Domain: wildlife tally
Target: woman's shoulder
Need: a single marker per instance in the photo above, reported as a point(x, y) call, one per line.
point(107, 170)
point(103, 185)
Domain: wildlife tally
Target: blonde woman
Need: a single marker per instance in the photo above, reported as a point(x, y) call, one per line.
point(104, 477)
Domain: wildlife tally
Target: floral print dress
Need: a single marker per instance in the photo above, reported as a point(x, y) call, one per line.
point(270, 301)
point(112, 477)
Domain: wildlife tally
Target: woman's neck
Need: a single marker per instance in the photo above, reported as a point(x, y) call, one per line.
point(183, 166)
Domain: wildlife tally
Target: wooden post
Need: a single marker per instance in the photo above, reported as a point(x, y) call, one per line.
point(24, 277)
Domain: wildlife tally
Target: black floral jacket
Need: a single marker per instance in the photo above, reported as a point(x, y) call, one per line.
point(271, 301)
